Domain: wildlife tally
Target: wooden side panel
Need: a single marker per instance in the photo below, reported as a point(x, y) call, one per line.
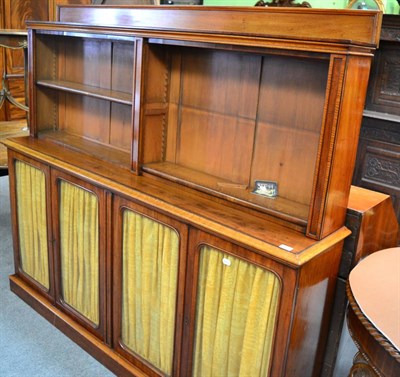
point(355, 84)
point(326, 148)
point(156, 81)
point(376, 211)
point(311, 316)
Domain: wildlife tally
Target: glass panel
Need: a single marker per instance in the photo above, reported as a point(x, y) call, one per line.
point(237, 304)
point(32, 222)
point(150, 255)
point(79, 249)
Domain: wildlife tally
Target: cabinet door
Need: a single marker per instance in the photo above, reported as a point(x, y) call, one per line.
point(79, 228)
point(149, 271)
point(29, 195)
point(236, 299)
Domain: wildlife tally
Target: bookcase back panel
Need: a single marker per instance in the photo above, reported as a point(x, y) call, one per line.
point(120, 126)
point(292, 92)
point(290, 113)
point(85, 116)
point(220, 82)
point(86, 62)
point(294, 179)
point(122, 64)
point(216, 108)
point(94, 119)
point(217, 144)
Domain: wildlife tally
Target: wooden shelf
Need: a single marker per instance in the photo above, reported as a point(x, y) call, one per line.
point(233, 191)
point(88, 147)
point(87, 90)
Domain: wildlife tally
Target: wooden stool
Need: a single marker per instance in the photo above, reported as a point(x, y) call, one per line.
point(373, 315)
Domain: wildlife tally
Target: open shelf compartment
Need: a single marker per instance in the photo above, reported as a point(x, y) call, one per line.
point(85, 91)
point(235, 122)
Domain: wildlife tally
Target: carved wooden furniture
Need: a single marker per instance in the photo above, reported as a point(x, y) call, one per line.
point(172, 200)
point(378, 156)
point(374, 314)
point(15, 40)
point(373, 224)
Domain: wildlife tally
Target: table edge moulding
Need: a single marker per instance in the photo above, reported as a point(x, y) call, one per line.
point(131, 175)
point(373, 315)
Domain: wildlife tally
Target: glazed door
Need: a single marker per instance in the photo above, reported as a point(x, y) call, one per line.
point(236, 298)
point(79, 212)
point(30, 204)
point(149, 273)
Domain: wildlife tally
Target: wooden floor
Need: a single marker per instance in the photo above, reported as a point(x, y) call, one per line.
point(10, 129)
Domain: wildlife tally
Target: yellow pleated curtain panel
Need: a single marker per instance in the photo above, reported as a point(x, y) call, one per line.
point(150, 259)
point(32, 220)
point(79, 249)
point(236, 311)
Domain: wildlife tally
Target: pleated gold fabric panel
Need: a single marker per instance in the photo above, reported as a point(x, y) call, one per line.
point(32, 222)
point(235, 320)
point(79, 250)
point(149, 288)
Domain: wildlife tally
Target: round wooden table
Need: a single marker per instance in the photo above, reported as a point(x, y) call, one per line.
point(373, 315)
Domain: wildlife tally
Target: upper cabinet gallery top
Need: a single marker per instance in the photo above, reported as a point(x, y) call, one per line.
point(236, 24)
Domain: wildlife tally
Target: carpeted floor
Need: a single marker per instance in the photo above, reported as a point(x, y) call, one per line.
point(29, 345)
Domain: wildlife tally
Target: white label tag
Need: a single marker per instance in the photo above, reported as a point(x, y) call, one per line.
point(226, 262)
point(286, 247)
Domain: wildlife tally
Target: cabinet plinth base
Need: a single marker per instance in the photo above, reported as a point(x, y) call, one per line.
point(75, 332)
